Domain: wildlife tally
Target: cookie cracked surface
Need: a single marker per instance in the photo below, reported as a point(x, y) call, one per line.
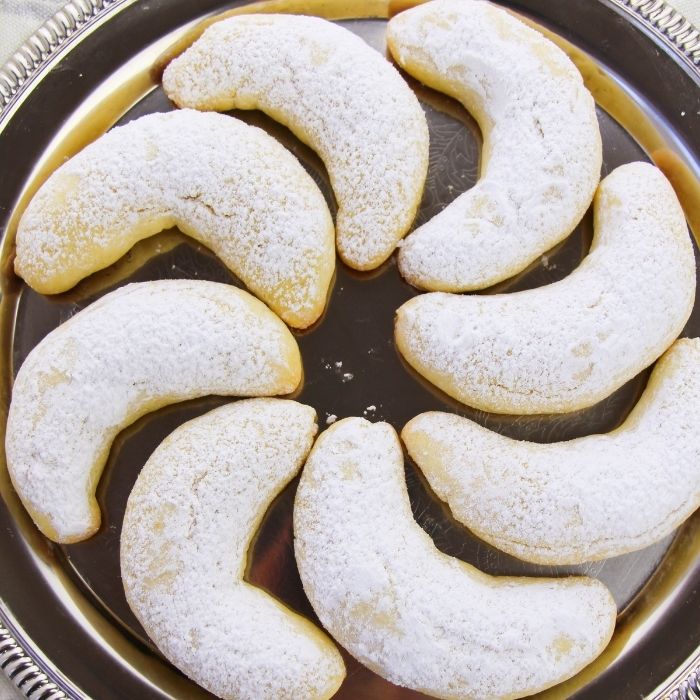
point(566, 345)
point(412, 614)
point(189, 523)
point(542, 150)
point(133, 351)
point(336, 94)
point(226, 184)
point(590, 498)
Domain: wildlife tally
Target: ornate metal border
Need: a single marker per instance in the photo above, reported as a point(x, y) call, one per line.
point(657, 15)
point(45, 42)
point(30, 675)
point(27, 674)
point(669, 25)
point(684, 684)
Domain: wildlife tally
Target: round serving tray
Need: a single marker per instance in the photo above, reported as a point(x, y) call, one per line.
point(65, 628)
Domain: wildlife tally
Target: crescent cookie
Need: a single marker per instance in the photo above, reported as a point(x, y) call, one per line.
point(336, 94)
point(586, 499)
point(542, 149)
point(227, 184)
point(135, 350)
point(412, 614)
point(566, 345)
point(189, 524)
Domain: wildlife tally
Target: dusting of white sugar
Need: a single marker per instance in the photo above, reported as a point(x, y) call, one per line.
point(184, 551)
point(591, 498)
point(136, 349)
point(229, 185)
point(544, 146)
point(567, 345)
point(412, 614)
point(335, 93)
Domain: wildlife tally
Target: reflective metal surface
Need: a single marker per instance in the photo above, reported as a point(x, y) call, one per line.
point(68, 600)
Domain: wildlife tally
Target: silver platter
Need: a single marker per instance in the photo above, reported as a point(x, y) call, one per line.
point(65, 628)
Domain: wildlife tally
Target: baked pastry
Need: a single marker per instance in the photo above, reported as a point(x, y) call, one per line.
point(137, 349)
point(336, 94)
point(412, 614)
point(542, 150)
point(585, 499)
point(567, 345)
point(189, 522)
point(225, 183)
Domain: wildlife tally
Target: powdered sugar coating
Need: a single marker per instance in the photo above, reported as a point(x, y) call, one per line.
point(189, 523)
point(567, 345)
point(412, 614)
point(590, 498)
point(225, 183)
point(335, 93)
point(542, 149)
point(136, 349)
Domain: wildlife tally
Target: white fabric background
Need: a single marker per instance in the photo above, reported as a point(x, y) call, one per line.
point(689, 8)
point(19, 18)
